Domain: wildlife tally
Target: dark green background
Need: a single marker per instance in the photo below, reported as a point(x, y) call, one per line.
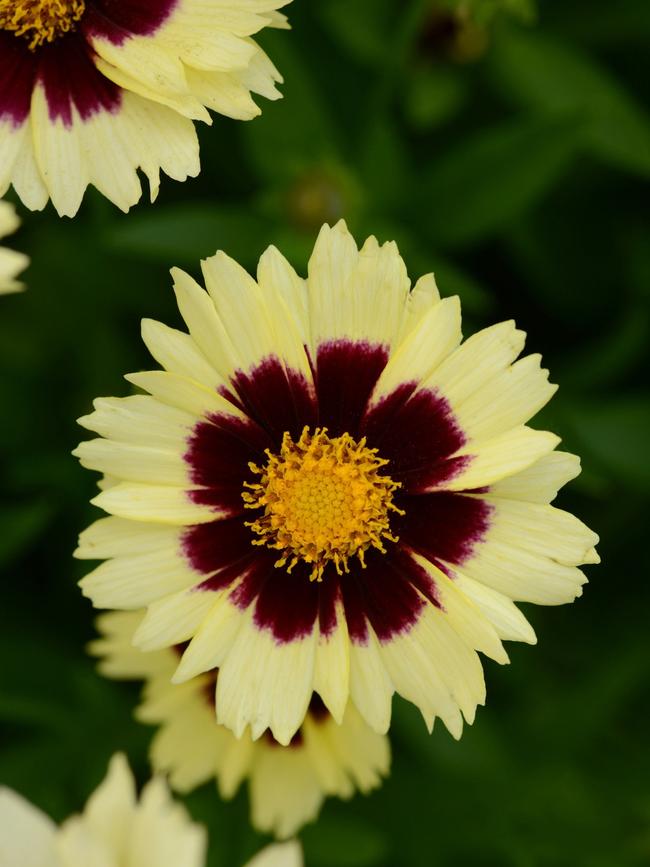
point(511, 158)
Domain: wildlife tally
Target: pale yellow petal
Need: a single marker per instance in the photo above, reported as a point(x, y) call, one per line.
point(265, 684)
point(155, 503)
point(139, 579)
point(332, 667)
point(27, 836)
point(173, 619)
point(371, 688)
point(540, 482)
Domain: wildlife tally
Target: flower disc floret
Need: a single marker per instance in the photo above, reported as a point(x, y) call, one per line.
point(40, 21)
point(324, 501)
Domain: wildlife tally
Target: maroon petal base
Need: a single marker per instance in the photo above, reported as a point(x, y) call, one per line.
point(66, 67)
point(414, 430)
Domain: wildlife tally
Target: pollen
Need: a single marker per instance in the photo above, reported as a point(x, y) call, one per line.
point(40, 21)
point(324, 500)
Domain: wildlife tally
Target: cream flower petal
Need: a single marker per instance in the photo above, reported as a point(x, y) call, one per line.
point(279, 855)
point(11, 263)
point(27, 836)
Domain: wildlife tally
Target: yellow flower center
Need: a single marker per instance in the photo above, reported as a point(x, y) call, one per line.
point(323, 499)
point(40, 21)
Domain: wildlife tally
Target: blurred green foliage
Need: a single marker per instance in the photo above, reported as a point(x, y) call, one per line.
point(507, 151)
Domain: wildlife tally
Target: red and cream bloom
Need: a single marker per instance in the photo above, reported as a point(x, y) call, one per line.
point(93, 90)
point(325, 491)
point(11, 262)
point(287, 785)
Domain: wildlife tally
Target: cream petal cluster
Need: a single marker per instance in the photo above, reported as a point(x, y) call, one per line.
point(92, 91)
point(287, 785)
point(116, 829)
point(11, 262)
point(346, 400)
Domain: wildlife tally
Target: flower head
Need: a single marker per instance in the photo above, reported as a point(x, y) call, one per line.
point(115, 828)
point(287, 785)
point(11, 263)
point(326, 491)
point(93, 90)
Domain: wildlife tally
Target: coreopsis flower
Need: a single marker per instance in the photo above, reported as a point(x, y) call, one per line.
point(93, 90)
point(115, 828)
point(288, 784)
point(11, 263)
point(325, 491)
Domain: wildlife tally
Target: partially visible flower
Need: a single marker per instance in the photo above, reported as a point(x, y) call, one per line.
point(91, 91)
point(114, 828)
point(11, 263)
point(453, 33)
point(287, 785)
point(279, 855)
point(326, 490)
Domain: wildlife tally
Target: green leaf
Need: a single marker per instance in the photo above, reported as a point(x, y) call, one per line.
point(361, 28)
point(344, 842)
point(609, 356)
point(295, 132)
point(614, 431)
point(543, 73)
point(626, 21)
point(483, 11)
point(385, 164)
point(434, 96)
point(482, 185)
point(21, 524)
point(185, 233)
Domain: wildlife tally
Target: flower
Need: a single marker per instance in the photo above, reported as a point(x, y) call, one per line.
point(324, 490)
point(279, 855)
point(114, 828)
point(11, 263)
point(287, 785)
point(93, 90)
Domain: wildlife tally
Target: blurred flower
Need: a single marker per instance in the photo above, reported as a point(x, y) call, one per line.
point(287, 785)
point(323, 491)
point(11, 263)
point(115, 828)
point(279, 855)
point(452, 33)
point(320, 194)
point(92, 90)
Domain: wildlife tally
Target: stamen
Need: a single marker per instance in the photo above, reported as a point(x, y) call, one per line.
point(324, 501)
point(40, 21)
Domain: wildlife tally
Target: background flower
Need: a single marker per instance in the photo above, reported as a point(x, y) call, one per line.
point(115, 827)
point(509, 178)
point(287, 785)
point(93, 90)
point(11, 263)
